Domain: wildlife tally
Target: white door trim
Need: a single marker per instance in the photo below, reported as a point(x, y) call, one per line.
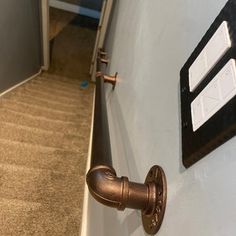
point(45, 34)
point(84, 225)
point(75, 9)
point(101, 34)
point(21, 83)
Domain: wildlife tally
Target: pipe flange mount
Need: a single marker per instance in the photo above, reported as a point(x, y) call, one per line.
point(153, 218)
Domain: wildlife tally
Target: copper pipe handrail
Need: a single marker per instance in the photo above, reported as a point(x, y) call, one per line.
point(120, 193)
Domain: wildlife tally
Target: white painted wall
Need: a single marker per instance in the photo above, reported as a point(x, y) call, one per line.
point(148, 43)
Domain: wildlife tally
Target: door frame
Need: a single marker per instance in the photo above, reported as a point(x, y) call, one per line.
point(45, 34)
point(101, 34)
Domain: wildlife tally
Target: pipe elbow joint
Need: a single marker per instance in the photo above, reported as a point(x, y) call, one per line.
point(106, 187)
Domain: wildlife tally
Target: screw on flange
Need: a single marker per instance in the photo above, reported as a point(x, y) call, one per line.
point(185, 124)
point(183, 89)
point(104, 61)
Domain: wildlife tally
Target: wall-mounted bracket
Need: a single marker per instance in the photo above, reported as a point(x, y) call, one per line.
point(98, 74)
point(103, 61)
point(120, 193)
point(111, 79)
point(101, 53)
point(152, 218)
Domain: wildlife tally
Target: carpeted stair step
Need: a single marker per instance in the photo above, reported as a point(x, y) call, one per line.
point(57, 92)
point(58, 78)
point(37, 185)
point(45, 103)
point(56, 86)
point(62, 84)
point(29, 218)
point(40, 111)
point(75, 95)
point(41, 137)
point(54, 89)
point(43, 123)
point(48, 95)
point(59, 82)
point(44, 139)
point(41, 157)
point(76, 129)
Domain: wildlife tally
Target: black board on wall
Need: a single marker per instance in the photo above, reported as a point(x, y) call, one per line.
point(221, 126)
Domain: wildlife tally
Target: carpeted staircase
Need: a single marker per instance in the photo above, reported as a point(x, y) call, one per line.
point(44, 138)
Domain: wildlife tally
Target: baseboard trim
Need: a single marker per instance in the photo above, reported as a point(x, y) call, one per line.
point(21, 83)
point(75, 9)
point(84, 225)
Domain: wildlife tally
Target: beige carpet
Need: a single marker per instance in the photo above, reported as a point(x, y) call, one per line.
point(44, 136)
point(72, 48)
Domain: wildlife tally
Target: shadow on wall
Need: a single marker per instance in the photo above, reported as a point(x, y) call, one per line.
point(129, 220)
point(114, 14)
point(111, 47)
point(182, 169)
point(122, 152)
point(123, 160)
point(91, 4)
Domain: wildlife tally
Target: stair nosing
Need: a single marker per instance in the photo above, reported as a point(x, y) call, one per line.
point(32, 129)
point(15, 167)
point(38, 117)
point(39, 107)
point(50, 101)
point(41, 146)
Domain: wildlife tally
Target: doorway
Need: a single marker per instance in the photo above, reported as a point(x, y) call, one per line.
point(72, 38)
point(68, 40)
point(58, 15)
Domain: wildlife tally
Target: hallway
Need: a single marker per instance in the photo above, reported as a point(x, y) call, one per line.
point(72, 40)
point(44, 139)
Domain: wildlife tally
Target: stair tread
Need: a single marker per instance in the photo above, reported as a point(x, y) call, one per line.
point(41, 111)
point(41, 157)
point(29, 218)
point(36, 136)
point(42, 101)
point(23, 119)
point(41, 104)
point(44, 139)
point(65, 100)
point(58, 85)
point(57, 91)
point(42, 186)
point(55, 77)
